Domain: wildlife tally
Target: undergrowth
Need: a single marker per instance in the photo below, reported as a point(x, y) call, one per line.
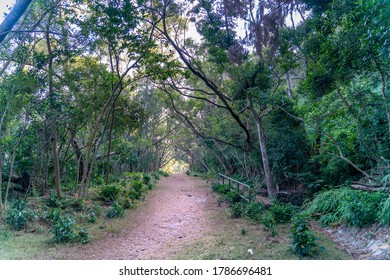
point(303, 240)
point(350, 207)
point(68, 219)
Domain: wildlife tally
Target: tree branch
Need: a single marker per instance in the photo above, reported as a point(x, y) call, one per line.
point(13, 17)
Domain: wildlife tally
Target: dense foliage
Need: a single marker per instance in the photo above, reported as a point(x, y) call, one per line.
point(294, 101)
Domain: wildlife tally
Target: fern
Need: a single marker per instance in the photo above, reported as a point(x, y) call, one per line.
point(384, 215)
point(385, 180)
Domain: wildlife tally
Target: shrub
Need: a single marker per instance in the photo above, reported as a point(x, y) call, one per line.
point(77, 204)
point(54, 201)
point(17, 216)
point(233, 197)
point(155, 175)
point(268, 220)
point(254, 210)
point(62, 228)
point(220, 188)
point(97, 209)
point(163, 173)
point(328, 203)
point(384, 215)
point(137, 188)
point(283, 212)
point(150, 186)
point(83, 236)
point(361, 208)
point(188, 172)
point(116, 211)
point(303, 239)
point(99, 181)
point(344, 205)
point(110, 193)
point(237, 209)
point(91, 217)
point(126, 204)
point(133, 194)
point(146, 178)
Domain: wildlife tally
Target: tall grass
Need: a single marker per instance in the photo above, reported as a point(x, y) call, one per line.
point(384, 215)
point(351, 207)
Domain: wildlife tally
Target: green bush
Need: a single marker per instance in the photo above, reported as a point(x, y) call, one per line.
point(328, 203)
point(361, 208)
point(133, 194)
point(163, 173)
point(126, 204)
point(352, 207)
point(110, 193)
point(303, 239)
point(384, 214)
point(62, 227)
point(77, 204)
point(99, 181)
point(83, 236)
point(54, 201)
point(283, 212)
point(17, 216)
point(220, 188)
point(237, 209)
point(116, 211)
point(268, 220)
point(150, 186)
point(97, 209)
point(146, 178)
point(91, 217)
point(137, 188)
point(155, 175)
point(254, 210)
point(233, 197)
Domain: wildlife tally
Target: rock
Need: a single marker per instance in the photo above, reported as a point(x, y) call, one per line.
point(375, 245)
point(250, 251)
point(377, 253)
point(384, 246)
point(370, 243)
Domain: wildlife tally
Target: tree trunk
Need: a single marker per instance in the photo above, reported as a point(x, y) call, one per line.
point(12, 164)
point(219, 158)
point(79, 157)
point(13, 17)
point(110, 141)
point(266, 165)
point(89, 156)
point(1, 157)
point(385, 99)
point(53, 138)
point(199, 160)
point(264, 156)
point(289, 87)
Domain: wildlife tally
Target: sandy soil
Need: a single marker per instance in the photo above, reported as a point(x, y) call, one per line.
point(174, 214)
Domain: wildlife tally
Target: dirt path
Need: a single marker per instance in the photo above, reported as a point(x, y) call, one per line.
point(180, 219)
point(174, 214)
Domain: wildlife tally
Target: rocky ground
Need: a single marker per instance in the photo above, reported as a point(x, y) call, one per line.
point(367, 243)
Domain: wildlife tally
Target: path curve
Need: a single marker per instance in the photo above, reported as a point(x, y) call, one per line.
point(174, 214)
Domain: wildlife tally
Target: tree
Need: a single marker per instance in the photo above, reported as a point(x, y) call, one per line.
point(12, 18)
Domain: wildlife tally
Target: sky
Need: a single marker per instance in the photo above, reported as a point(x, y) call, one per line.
point(3, 7)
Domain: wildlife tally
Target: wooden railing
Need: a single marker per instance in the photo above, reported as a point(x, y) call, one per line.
point(242, 188)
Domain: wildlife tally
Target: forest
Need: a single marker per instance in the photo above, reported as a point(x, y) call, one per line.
point(289, 96)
